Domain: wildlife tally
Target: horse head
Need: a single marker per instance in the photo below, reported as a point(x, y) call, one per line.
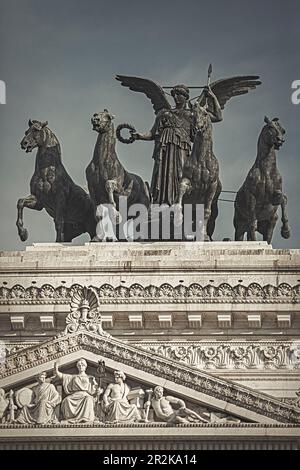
point(101, 122)
point(201, 118)
point(273, 133)
point(37, 135)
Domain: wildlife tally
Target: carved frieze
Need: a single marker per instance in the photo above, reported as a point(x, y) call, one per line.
point(165, 293)
point(237, 355)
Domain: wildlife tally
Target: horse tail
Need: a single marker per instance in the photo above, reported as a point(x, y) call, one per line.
point(147, 189)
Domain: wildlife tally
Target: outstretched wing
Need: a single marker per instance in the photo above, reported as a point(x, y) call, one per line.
point(234, 86)
point(151, 90)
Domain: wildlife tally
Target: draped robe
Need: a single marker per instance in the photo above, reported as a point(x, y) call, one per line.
point(45, 399)
point(79, 404)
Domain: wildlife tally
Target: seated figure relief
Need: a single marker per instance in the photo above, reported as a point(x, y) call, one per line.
point(164, 411)
point(4, 402)
point(115, 401)
point(43, 400)
point(79, 400)
point(81, 393)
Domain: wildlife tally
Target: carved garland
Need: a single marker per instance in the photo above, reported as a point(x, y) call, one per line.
point(158, 366)
point(165, 293)
point(212, 355)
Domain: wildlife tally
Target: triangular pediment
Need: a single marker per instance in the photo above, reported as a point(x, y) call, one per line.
point(147, 370)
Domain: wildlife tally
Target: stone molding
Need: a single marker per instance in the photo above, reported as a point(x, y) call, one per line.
point(231, 355)
point(254, 293)
point(159, 366)
point(215, 355)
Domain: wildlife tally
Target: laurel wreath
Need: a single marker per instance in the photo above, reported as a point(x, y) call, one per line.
point(131, 129)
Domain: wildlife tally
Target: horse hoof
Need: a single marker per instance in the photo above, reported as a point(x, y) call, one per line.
point(96, 239)
point(23, 234)
point(285, 233)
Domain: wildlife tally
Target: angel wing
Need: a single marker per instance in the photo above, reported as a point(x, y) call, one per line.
point(227, 88)
point(151, 89)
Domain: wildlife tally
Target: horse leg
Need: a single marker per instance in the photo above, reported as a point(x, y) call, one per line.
point(104, 227)
point(32, 203)
point(111, 186)
point(211, 223)
point(252, 221)
point(59, 216)
point(239, 233)
point(285, 229)
point(207, 207)
point(100, 232)
point(184, 186)
point(239, 225)
point(269, 229)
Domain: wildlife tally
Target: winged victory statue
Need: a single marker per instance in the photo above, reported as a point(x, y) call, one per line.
point(185, 169)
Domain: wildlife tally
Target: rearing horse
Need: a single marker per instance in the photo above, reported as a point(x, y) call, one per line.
point(200, 183)
point(53, 189)
point(107, 178)
point(261, 194)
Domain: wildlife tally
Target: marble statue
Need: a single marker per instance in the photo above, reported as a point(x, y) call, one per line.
point(41, 410)
point(81, 390)
point(115, 403)
point(164, 411)
point(4, 402)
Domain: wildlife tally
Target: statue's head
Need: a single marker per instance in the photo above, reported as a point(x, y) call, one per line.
point(101, 121)
point(158, 392)
point(119, 376)
point(35, 135)
point(81, 365)
point(41, 377)
point(180, 94)
point(273, 133)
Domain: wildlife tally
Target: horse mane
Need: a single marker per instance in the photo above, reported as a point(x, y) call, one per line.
point(52, 140)
point(261, 145)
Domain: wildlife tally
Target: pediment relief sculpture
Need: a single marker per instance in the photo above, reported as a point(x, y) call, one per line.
point(84, 398)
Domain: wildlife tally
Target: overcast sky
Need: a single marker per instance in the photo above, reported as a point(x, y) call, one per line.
point(59, 60)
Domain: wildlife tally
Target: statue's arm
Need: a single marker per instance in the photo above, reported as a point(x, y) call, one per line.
point(58, 374)
point(148, 135)
point(106, 395)
point(214, 108)
point(176, 401)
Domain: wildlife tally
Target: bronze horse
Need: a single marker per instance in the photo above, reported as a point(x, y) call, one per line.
point(51, 188)
point(108, 180)
point(200, 183)
point(261, 194)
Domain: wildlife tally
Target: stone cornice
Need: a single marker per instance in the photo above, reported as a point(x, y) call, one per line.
point(148, 425)
point(254, 293)
point(155, 364)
